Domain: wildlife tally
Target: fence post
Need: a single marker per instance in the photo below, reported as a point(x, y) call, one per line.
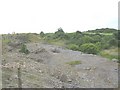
point(19, 77)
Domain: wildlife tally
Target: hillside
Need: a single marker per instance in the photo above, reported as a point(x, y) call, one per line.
point(60, 60)
point(49, 66)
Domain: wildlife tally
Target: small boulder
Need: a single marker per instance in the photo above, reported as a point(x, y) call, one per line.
point(87, 68)
point(55, 50)
point(69, 80)
point(39, 60)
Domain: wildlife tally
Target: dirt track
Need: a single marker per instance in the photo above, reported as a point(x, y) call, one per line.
point(45, 67)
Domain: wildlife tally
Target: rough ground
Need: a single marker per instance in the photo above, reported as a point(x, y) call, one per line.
point(46, 67)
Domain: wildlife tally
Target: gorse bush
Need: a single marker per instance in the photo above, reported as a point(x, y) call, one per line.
point(73, 47)
point(24, 49)
point(89, 48)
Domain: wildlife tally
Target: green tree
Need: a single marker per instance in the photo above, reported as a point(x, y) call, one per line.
point(78, 35)
point(60, 34)
point(78, 32)
point(42, 34)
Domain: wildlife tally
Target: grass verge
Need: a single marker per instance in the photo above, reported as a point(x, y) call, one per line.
point(110, 54)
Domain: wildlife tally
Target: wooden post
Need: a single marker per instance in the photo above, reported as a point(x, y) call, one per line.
point(19, 77)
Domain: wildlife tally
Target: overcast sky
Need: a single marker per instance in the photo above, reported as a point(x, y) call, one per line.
point(48, 15)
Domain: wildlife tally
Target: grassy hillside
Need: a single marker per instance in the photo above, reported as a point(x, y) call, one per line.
point(103, 41)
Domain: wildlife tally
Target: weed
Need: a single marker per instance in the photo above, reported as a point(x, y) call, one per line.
point(73, 62)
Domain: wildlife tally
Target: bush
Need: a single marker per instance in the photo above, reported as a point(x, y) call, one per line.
point(117, 35)
point(24, 49)
point(113, 42)
point(73, 47)
point(89, 48)
point(99, 45)
point(105, 46)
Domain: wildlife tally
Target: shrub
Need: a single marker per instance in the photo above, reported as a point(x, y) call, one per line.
point(89, 48)
point(99, 45)
point(24, 49)
point(117, 35)
point(97, 38)
point(73, 47)
point(105, 46)
point(113, 42)
point(87, 39)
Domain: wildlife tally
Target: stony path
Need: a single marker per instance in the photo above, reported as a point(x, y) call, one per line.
point(45, 67)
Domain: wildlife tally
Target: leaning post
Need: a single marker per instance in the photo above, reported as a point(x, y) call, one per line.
point(19, 77)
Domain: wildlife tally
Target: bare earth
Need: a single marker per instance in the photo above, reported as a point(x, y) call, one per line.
point(46, 67)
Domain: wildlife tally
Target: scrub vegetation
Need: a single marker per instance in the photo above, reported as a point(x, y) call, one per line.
point(92, 41)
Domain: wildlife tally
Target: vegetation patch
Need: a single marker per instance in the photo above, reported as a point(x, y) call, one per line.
point(74, 62)
point(73, 47)
point(107, 55)
point(24, 49)
point(6, 41)
point(33, 37)
point(89, 48)
point(110, 54)
point(98, 41)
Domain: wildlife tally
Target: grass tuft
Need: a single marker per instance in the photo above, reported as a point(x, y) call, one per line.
point(73, 62)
